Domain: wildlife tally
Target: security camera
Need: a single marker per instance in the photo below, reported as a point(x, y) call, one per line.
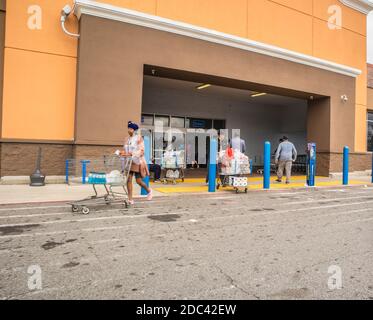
point(66, 10)
point(344, 98)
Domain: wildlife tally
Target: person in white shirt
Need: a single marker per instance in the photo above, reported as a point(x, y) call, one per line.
point(134, 147)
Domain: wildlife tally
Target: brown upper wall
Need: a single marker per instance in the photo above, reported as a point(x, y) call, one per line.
point(111, 61)
point(370, 75)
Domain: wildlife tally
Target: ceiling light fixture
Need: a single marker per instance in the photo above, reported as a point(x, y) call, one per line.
point(203, 86)
point(258, 95)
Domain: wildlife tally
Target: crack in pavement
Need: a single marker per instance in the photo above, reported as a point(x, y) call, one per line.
point(233, 282)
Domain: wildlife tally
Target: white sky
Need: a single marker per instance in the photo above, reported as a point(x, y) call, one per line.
point(370, 37)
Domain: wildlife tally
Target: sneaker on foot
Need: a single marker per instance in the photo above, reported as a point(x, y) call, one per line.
point(131, 202)
point(150, 195)
point(278, 180)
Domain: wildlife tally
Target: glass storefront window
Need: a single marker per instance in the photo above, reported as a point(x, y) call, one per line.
point(370, 116)
point(200, 123)
point(181, 122)
point(147, 119)
point(164, 119)
point(370, 131)
point(177, 122)
point(219, 124)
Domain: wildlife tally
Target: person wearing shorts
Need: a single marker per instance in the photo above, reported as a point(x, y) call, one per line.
point(134, 147)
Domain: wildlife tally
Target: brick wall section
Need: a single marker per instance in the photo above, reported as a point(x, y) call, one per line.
point(333, 162)
point(323, 164)
point(358, 162)
point(96, 156)
point(370, 75)
point(19, 159)
point(88, 152)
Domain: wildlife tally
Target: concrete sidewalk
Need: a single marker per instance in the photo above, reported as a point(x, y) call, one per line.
point(13, 194)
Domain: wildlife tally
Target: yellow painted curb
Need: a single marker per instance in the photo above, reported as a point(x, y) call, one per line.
point(251, 179)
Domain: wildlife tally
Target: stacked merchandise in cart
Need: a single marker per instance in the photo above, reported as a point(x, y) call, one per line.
point(173, 163)
point(234, 167)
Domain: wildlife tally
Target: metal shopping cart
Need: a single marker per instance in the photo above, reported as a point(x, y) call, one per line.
point(173, 164)
point(109, 171)
point(273, 166)
point(234, 174)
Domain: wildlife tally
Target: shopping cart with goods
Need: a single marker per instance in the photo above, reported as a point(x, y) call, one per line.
point(110, 172)
point(173, 164)
point(233, 170)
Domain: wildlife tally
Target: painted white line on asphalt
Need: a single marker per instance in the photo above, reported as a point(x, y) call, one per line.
point(166, 198)
point(180, 222)
point(71, 213)
point(35, 215)
point(359, 220)
point(156, 207)
point(63, 206)
point(72, 220)
point(320, 193)
point(214, 218)
point(289, 193)
point(221, 198)
point(369, 210)
point(177, 222)
point(162, 214)
point(32, 208)
point(324, 200)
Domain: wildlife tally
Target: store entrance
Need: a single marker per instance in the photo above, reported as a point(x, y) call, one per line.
point(169, 133)
point(182, 101)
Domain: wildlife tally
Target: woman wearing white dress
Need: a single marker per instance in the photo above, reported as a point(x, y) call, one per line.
point(134, 147)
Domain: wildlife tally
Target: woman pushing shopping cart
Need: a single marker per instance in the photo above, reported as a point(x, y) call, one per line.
point(113, 171)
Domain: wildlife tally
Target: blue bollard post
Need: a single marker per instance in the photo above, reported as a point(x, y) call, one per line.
point(267, 165)
point(147, 159)
point(212, 165)
point(346, 152)
point(67, 171)
point(84, 171)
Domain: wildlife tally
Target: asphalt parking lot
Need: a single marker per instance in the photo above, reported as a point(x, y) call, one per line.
point(292, 244)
